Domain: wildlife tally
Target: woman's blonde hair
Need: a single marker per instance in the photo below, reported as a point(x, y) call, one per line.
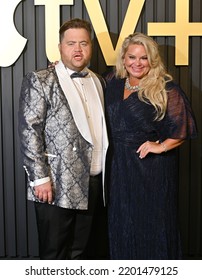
point(152, 86)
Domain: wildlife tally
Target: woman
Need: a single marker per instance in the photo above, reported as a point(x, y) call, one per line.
point(149, 117)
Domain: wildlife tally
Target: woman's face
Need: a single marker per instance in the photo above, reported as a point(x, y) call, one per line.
point(136, 61)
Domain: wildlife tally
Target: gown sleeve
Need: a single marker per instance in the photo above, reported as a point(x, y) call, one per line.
point(179, 120)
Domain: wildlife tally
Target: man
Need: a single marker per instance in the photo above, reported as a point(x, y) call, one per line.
point(64, 142)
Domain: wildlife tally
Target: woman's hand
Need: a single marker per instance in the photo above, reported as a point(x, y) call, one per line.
point(157, 147)
point(52, 64)
point(149, 147)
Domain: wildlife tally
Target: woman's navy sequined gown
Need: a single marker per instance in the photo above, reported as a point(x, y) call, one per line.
point(143, 193)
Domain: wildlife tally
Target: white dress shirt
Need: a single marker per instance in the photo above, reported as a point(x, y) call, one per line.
point(86, 91)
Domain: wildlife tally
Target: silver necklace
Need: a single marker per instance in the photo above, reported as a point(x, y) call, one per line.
point(129, 87)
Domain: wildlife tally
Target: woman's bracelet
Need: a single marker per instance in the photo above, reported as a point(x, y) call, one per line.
point(164, 147)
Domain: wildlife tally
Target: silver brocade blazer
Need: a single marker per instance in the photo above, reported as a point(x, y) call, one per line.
point(55, 136)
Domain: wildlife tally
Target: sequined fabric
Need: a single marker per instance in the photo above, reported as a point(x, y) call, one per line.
point(143, 218)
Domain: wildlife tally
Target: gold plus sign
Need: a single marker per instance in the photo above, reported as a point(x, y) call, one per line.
point(181, 29)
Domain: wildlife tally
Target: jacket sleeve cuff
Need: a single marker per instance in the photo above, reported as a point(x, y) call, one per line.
point(40, 181)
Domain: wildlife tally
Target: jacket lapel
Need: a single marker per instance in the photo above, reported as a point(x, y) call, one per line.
point(98, 88)
point(74, 101)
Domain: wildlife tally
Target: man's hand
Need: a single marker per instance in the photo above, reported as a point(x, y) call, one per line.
point(44, 192)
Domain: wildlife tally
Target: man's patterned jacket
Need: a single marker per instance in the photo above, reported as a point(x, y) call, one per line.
point(55, 136)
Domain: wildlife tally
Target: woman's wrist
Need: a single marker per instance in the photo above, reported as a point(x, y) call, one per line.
point(163, 145)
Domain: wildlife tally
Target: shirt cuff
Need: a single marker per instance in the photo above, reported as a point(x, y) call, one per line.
point(41, 181)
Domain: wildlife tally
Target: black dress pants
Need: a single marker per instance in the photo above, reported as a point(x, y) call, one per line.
point(64, 233)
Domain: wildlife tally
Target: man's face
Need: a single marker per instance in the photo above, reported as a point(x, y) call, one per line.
point(76, 48)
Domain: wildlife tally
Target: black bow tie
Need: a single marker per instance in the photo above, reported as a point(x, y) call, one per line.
point(79, 75)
